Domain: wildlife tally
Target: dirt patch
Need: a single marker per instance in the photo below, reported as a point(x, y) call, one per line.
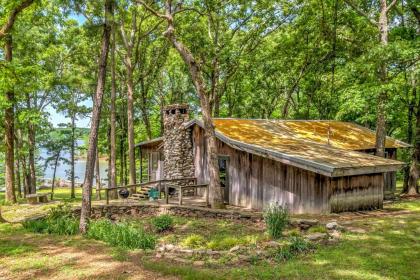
point(69, 258)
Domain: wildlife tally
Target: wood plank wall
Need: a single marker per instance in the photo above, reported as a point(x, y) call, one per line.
point(255, 182)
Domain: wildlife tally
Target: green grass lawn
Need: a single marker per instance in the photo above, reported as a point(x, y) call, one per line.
point(390, 248)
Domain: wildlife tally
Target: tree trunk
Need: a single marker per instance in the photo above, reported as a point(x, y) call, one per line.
point(130, 127)
point(96, 114)
point(414, 172)
point(112, 158)
point(2, 220)
point(383, 76)
point(18, 180)
point(54, 172)
point(9, 124)
point(98, 177)
point(215, 192)
point(72, 155)
point(32, 171)
point(410, 114)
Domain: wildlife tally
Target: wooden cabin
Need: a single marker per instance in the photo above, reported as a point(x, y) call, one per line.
point(309, 166)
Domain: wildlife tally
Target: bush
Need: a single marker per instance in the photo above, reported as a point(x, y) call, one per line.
point(194, 241)
point(163, 223)
point(297, 245)
point(59, 220)
point(123, 235)
point(37, 226)
point(276, 218)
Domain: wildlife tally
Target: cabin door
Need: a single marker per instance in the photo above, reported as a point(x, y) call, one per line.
point(224, 177)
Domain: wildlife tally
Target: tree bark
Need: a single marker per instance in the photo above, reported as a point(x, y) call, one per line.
point(32, 171)
point(130, 127)
point(215, 192)
point(383, 77)
point(112, 157)
point(72, 154)
point(412, 187)
point(9, 114)
point(97, 177)
point(55, 170)
point(96, 114)
point(9, 124)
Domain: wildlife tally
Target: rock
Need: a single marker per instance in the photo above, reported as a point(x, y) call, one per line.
point(273, 244)
point(158, 256)
point(335, 234)
point(311, 222)
point(234, 249)
point(181, 260)
point(331, 225)
point(316, 236)
point(161, 249)
point(304, 226)
point(188, 252)
point(169, 247)
point(198, 263)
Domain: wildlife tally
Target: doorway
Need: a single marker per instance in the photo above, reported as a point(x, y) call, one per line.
point(224, 177)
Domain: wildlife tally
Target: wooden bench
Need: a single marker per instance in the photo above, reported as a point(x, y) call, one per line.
point(38, 197)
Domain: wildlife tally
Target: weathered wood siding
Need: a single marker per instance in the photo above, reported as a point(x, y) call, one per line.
point(362, 192)
point(255, 182)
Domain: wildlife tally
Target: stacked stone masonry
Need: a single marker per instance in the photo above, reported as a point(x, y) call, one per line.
point(178, 146)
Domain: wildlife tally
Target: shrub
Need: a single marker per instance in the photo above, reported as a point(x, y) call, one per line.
point(297, 245)
point(37, 226)
point(59, 220)
point(194, 241)
point(276, 218)
point(122, 235)
point(162, 223)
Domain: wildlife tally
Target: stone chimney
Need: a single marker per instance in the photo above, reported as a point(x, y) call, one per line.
point(178, 147)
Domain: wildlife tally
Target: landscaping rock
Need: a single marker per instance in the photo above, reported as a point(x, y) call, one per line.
point(331, 225)
point(273, 244)
point(187, 252)
point(158, 256)
point(181, 260)
point(198, 263)
point(169, 247)
point(316, 236)
point(234, 249)
point(335, 234)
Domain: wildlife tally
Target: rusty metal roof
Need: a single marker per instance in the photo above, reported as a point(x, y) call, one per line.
point(338, 134)
point(305, 144)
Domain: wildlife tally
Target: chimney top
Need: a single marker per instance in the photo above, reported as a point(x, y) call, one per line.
point(175, 109)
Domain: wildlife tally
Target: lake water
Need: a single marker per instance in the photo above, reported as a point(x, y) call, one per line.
point(63, 170)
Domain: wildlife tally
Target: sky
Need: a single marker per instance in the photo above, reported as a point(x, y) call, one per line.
point(55, 117)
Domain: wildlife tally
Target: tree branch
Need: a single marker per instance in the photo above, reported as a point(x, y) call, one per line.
point(391, 5)
point(12, 17)
point(150, 9)
point(362, 13)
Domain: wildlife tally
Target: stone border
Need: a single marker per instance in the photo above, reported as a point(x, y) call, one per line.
point(116, 211)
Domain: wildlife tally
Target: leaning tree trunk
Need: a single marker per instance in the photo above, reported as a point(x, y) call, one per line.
point(53, 180)
point(9, 118)
point(215, 192)
point(96, 114)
